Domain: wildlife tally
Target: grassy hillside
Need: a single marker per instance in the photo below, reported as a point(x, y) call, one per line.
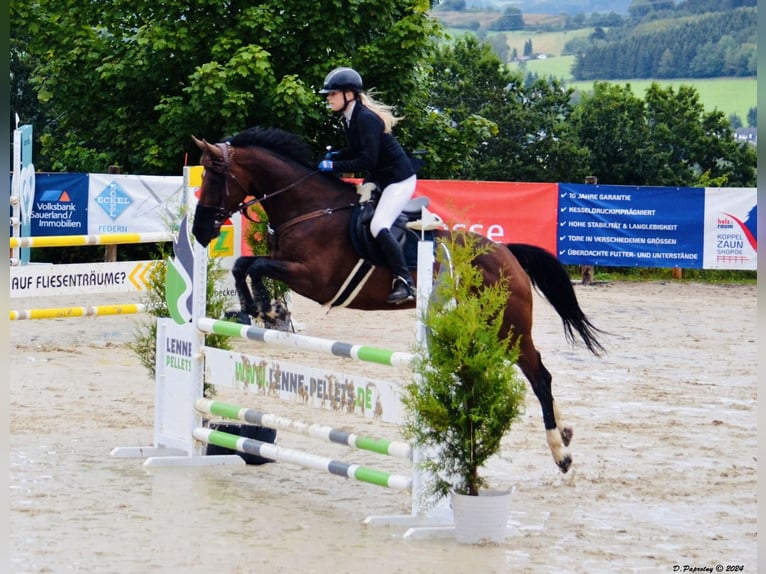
point(463, 19)
point(729, 95)
point(549, 43)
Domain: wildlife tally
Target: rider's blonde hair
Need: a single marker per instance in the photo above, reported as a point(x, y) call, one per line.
point(384, 111)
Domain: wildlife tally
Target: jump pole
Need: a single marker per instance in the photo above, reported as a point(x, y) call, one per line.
point(71, 312)
point(272, 421)
point(306, 343)
point(339, 468)
point(79, 240)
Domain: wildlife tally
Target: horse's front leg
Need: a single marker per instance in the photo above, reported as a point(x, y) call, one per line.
point(259, 303)
point(247, 304)
point(556, 435)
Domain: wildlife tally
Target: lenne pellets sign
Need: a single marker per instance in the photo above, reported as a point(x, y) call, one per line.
point(631, 226)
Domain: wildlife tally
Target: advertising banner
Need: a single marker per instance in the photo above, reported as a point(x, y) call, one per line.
point(319, 388)
point(505, 212)
point(133, 203)
point(46, 280)
point(61, 204)
point(731, 228)
point(627, 226)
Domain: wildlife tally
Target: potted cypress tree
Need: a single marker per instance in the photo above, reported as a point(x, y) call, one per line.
point(465, 393)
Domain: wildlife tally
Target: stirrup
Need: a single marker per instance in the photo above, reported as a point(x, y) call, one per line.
point(402, 291)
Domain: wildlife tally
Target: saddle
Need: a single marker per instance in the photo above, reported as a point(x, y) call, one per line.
point(406, 230)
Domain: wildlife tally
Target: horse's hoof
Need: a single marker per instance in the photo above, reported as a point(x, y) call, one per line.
point(279, 311)
point(564, 464)
point(566, 435)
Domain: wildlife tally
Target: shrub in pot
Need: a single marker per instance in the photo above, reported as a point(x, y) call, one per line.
point(466, 392)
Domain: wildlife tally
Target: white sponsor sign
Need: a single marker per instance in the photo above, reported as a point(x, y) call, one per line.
point(36, 280)
point(314, 387)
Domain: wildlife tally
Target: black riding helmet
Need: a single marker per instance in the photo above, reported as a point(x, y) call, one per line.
point(341, 80)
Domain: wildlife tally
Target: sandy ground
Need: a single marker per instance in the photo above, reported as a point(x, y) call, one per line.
point(664, 474)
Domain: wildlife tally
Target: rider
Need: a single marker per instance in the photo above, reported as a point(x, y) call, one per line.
point(372, 148)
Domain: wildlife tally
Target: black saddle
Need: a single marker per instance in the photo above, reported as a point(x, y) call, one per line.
point(364, 243)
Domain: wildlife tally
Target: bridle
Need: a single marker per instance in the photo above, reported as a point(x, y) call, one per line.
point(223, 167)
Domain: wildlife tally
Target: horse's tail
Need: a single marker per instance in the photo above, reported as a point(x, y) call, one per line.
point(550, 277)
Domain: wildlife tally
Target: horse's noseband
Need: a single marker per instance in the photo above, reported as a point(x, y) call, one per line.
point(222, 167)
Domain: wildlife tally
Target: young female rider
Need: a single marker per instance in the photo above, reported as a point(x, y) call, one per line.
point(373, 149)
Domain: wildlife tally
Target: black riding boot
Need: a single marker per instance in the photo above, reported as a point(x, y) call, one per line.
point(402, 286)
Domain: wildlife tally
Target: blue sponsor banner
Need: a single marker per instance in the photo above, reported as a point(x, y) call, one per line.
point(626, 226)
point(61, 204)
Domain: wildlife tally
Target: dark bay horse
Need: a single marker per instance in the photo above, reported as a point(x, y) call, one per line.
point(311, 251)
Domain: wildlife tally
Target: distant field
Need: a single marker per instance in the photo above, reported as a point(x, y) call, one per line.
point(729, 95)
point(558, 67)
point(550, 43)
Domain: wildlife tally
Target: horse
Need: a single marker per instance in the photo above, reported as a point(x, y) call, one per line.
point(310, 214)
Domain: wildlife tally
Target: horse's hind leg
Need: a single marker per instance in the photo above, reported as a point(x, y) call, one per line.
point(557, 436)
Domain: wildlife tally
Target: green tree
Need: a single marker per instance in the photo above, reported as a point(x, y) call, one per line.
point(610, 123)
point(511, 19)
point(465, 76)
point(665, 139)
point(685, 142)
point(528, 48)
point(518, 130)
point(499, 44)
point(129, 82)
point(22, 100)
point(535, 139)
point(752, 118)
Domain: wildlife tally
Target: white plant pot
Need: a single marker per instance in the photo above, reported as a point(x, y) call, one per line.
point(481, 519)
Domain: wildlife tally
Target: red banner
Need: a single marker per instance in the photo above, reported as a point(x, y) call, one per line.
point(505, 212)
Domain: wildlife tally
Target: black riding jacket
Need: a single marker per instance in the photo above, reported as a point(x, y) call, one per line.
point(371, 151)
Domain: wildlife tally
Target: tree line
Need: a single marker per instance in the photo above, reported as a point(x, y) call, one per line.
point(719, 44)
point(127, 83)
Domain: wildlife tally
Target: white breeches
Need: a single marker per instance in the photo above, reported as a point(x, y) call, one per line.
point(392, 201)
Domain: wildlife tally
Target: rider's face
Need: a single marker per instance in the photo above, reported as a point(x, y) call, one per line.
point(335, 101)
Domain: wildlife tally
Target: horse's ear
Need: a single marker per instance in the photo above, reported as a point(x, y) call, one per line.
point(206, 147)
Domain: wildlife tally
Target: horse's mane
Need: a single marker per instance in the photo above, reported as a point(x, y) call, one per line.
point(285, 144)
point(279, 141)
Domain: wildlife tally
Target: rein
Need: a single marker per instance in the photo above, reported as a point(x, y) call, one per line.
point(243, 206)
point(310, 215)
point(224, 166)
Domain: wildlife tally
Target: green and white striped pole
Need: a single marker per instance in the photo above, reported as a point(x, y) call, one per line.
point(272, 421)
point(268, 450)
point(305, 342)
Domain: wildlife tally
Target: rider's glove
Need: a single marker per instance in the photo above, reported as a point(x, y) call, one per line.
point(331, 155)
